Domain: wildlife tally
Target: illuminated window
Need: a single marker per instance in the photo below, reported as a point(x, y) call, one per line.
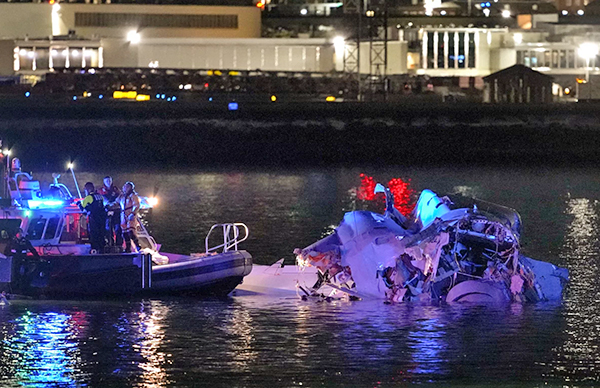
point(571, 59)
point(430, 50)
point(440, 50)
point(42, 58)
point(461, 50)
point(451, 48)
point(471, 58)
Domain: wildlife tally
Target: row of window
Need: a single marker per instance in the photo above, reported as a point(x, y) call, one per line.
point(449, 50)
point(556, 59)
point(97, 19)
point(45, 58)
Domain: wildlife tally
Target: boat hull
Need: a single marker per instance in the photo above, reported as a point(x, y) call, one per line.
point(214, 275)
point(87, 276)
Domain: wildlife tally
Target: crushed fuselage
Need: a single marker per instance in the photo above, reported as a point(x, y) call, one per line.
point(438, 252)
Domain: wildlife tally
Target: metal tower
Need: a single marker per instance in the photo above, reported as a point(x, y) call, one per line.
point(353, 10)
point(377, 14)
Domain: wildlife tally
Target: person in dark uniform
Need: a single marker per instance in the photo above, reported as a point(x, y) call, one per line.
point(93, 204)
point(111, 194)
point(24, 266)
point(19, 245)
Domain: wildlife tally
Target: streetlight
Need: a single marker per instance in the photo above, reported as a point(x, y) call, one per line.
point(588, 51)
point(133, 37)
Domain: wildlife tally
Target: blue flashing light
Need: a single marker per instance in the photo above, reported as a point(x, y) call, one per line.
point(233, 106)
point(488, 4)
point(27, 213)
point(174, 98)
point(74, 98)
point(163, 96)
point(210, 99)
point(27, 94)
point(101, 96)
point(45, 204)
point(482, 5)
point(158, 96)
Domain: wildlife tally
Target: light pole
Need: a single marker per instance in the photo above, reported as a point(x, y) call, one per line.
point(70, 167)
point(588, 51)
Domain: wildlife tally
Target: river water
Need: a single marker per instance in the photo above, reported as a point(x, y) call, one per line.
point(266, 341)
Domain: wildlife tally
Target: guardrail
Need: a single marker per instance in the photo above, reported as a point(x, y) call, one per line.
point(231, 237)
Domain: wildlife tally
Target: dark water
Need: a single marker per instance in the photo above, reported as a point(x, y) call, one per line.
point(257, 341)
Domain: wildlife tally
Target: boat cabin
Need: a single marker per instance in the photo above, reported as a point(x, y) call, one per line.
point(51, 218)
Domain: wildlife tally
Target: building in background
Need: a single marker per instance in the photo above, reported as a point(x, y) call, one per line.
point(518, 84)
point(446, 43)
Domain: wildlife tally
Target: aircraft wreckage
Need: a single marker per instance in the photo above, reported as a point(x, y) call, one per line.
point(440, 251)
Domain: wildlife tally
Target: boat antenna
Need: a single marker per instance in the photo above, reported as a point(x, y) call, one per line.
point(70, 166)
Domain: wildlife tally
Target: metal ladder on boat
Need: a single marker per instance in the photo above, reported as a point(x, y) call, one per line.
point(146, 240)
point(231, 237)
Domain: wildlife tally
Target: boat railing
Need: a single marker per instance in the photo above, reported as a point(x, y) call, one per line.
point(231, 236)
point(145, 237)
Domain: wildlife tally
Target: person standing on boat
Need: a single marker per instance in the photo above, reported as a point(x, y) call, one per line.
point(24, 265)
point(20, 245)
point(111, 195)
point(93, 204)
point(130, 206)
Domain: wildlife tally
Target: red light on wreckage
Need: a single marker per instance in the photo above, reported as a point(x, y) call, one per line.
point(403, 194)
point(366, 191)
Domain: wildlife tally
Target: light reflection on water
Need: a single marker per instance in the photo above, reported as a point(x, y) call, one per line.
point(152, 337)
point(258, 342)
point(578, 355)
point(39, 349)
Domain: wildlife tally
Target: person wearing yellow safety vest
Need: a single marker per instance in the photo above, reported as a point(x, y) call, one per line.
point(93, 205)
point(130, 206)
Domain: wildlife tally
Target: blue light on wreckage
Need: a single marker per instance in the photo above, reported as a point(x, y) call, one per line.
point(233, 106)
point(42, 350)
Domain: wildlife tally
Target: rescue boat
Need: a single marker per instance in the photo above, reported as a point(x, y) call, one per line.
point(67, 267)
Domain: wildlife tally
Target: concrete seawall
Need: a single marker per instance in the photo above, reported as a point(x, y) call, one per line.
point(160, 134)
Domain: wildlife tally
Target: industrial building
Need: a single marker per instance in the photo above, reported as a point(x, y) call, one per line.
point(439, 42)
